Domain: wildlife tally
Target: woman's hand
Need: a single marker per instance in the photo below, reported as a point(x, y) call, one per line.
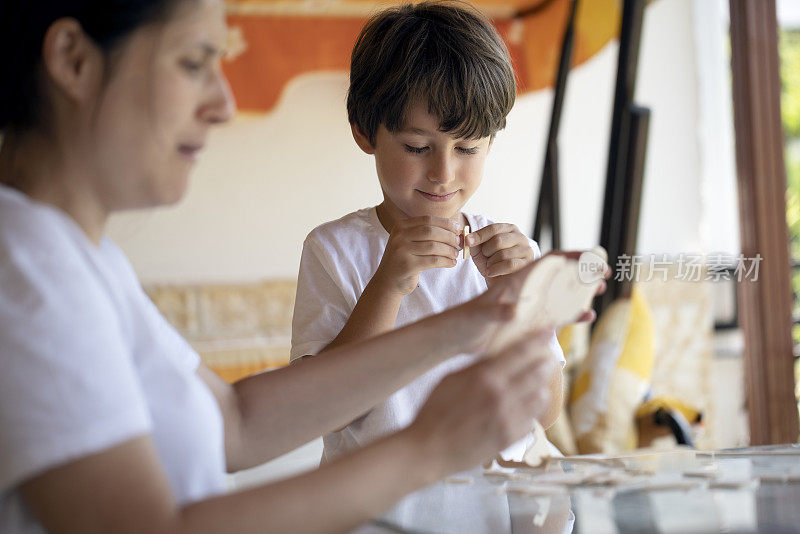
point(472, 325)
point(479, 411)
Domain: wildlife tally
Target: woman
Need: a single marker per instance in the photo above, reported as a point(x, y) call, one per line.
point(108, 422)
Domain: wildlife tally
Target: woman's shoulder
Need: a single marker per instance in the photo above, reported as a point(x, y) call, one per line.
point(45, 273)
point(35, 234)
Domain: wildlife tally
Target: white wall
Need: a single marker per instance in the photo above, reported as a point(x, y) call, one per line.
point(788, 12)
point(266, 181)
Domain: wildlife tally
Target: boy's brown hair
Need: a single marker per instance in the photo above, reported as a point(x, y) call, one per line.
point(443, 53)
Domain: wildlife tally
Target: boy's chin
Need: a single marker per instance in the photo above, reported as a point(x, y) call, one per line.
point(447, 212)
point(439, 209)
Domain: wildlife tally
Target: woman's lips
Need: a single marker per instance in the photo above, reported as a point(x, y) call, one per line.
point(436, 198)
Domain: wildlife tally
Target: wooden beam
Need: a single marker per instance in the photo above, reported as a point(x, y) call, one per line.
point(766, 304)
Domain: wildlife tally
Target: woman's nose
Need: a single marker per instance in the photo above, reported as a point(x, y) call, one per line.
point(221, 105)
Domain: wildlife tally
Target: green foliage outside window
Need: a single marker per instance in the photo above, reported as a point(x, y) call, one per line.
point(790, 82)
point(790, 112)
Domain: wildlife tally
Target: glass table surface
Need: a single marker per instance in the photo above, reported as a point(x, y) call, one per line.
point(682, 491)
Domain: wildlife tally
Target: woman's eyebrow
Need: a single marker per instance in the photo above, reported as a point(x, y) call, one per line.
point(210, 49)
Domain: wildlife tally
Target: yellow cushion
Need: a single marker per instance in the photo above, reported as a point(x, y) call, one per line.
point(614, 378)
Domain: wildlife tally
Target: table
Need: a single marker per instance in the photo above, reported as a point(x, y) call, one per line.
point(681, 491)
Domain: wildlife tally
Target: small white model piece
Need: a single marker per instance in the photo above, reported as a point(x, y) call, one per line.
point(506, 475)
point(608, 462)
point(610, 477)
point(466, 248)
point(541, 513)
point(539, 449)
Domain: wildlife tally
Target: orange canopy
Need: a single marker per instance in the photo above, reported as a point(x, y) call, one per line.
point(273, 41)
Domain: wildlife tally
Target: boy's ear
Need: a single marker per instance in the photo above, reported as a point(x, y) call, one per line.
point(362, 140)
point(491, 141)
point(73, 63)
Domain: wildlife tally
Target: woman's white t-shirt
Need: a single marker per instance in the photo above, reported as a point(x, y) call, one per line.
point(87, 362)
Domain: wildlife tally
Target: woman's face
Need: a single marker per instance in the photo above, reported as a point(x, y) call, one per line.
point(152, 117)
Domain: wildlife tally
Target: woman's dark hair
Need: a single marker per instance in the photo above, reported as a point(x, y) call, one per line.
point(443, 53)
point(23, 25)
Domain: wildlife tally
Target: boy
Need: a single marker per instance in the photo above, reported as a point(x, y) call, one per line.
point(430, 86)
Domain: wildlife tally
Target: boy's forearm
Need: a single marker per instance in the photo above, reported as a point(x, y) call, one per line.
point(334, 498)
point(374, 313)
point(556, 400)
point(285, 408)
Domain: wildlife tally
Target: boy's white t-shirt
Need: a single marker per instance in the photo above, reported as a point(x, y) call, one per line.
point(339, 259)
point(87, 362)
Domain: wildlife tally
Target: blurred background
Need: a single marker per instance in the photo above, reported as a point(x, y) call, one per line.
point(222, 264)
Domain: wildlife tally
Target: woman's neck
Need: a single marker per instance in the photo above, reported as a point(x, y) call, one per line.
point(34, 166)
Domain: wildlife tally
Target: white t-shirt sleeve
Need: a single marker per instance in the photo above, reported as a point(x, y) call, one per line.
point(174, 346)
point(320, 309)
point(68, 387)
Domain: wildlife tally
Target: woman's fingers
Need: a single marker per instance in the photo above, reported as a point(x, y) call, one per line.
point(522, 354)
point(505, 394)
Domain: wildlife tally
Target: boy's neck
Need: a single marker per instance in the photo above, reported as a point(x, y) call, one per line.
point(389, 215)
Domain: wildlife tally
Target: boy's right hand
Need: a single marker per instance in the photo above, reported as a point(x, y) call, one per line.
point(415, 245)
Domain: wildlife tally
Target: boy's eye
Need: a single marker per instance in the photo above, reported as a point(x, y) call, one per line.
point(473, 150)
point(416, 149)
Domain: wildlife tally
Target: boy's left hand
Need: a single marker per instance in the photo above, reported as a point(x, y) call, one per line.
point(499, 249)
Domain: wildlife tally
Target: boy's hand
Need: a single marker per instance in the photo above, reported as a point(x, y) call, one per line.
point(415, 245)
point(499, 249)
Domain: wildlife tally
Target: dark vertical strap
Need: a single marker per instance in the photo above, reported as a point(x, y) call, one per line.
point(548, 217)
point(620, 146)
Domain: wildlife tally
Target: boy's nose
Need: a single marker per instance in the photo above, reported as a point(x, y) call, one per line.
point(441, 170)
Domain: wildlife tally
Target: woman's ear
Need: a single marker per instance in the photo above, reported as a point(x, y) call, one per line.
point(362, 140)
point(72, 62)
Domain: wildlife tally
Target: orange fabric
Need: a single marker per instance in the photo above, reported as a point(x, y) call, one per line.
point(277, 48)
point(280, 48)
point(234, 372)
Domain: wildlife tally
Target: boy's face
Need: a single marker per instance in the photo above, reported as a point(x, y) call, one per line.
point(424, 171)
